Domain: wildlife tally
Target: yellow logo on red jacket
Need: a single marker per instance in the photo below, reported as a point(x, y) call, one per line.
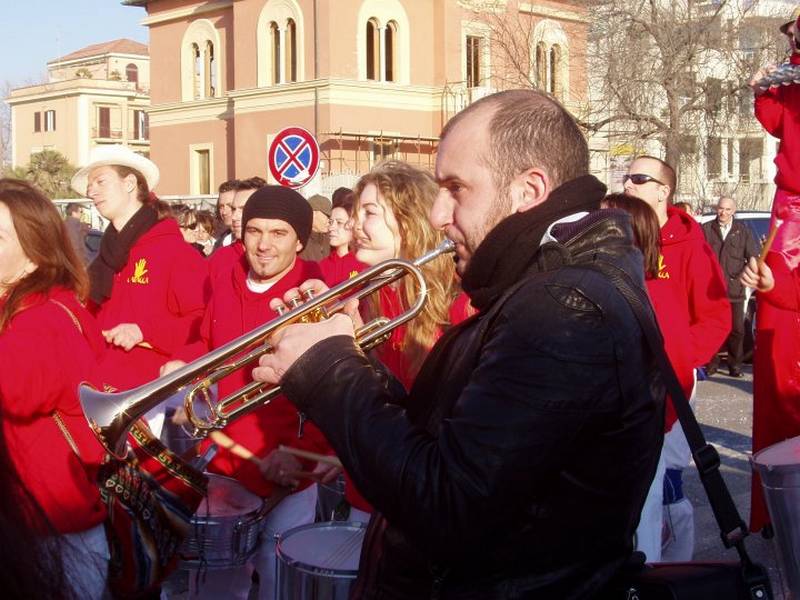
point(139, 273)
point(662, 268)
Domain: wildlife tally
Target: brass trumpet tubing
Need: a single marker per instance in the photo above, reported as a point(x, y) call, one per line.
point(112, 415)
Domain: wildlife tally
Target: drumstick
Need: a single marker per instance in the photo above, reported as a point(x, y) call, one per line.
point(304, 475)
point(233, 447)
point(768, 242)
point(323, 458)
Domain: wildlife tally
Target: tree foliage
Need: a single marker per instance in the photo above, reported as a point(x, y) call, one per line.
point(50, 171)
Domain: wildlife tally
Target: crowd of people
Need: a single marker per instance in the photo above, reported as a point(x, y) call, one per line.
point(513, 440)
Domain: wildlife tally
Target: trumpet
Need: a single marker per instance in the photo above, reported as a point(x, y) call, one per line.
point(111, 415)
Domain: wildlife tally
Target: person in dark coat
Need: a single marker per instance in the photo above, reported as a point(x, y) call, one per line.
point(318, 246)
point(77, 230)
point(518, 464)
point(733, 243)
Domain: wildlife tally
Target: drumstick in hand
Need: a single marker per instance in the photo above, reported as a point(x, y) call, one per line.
point(768, 242)
point(224, 441)
point(323, 458)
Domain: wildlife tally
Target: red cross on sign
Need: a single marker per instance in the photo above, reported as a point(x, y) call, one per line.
point(293, 157)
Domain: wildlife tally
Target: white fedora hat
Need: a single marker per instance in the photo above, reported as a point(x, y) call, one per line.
point(115, 155)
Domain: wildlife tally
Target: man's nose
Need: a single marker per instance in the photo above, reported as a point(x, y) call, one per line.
point(441, 212)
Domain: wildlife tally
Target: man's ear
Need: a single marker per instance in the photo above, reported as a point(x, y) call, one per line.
point(529, 189)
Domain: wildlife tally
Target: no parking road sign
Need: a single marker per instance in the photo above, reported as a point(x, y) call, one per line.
point(293, 157)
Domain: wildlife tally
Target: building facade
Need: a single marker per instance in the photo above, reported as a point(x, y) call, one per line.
point(371, 79)
point(724, 150)
point(94, 96)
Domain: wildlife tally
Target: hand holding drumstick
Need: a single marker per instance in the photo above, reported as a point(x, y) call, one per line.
point(278, 466)
point(757, 274)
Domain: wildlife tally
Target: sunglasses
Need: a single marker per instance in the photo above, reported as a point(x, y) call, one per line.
point(640, 179)
point(193, 226)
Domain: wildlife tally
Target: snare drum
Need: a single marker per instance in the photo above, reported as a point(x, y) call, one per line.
point(779, 468)
point(318, 561)
point(226, 527)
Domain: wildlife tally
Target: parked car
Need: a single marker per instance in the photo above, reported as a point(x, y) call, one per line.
point(758, 222)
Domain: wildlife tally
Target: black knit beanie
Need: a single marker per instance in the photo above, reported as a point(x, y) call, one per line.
point(278, 202)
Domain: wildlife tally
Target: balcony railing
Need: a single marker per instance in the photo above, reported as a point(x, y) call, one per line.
point(104, 133)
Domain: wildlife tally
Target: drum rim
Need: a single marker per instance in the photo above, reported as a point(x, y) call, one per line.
point(309, 569)
point(760, 464)
point(241, 515)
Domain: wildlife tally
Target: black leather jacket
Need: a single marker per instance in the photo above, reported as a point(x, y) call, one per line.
point(518, 465)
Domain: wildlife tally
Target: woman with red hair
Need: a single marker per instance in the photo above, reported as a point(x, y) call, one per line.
point(49, 344)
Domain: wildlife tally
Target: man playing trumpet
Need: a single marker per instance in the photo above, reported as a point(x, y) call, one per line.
point(518, 463)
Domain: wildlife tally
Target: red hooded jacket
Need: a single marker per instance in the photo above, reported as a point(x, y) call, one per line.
point(778, 110)
point(337, 268)
point(163, 290)
point(234, 310)
point(44, 356)
point(690, 299)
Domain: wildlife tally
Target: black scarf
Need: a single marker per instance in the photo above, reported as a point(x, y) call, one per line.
point(114, 250)
point(509, 248)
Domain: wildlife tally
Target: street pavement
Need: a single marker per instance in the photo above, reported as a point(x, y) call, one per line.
point(724, 408)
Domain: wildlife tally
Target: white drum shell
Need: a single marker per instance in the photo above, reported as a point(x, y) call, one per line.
point(318, 561)
point(779, 468)
point(226, 533)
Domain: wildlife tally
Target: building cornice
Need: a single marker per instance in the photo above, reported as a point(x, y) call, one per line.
point(68, 88)
point(364, 94)
point(552, 13)
point(182, 13)
point(58, 64)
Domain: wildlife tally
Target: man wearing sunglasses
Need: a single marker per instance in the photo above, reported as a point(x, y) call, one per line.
point(701, 319)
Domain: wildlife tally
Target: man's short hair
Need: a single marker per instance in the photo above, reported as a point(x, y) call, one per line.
point(733, 200)
point(228, 186)
point(528, 129)
point(72, 207)
point(666, 174)
point(252, 183)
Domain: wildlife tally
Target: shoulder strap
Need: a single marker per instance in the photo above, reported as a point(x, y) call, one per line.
point(56, 415)
point(70, 313)
point(732, 528)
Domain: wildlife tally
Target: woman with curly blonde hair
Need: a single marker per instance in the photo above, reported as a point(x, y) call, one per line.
point(390, 220)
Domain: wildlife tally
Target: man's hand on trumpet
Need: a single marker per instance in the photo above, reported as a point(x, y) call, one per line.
point(294, 340)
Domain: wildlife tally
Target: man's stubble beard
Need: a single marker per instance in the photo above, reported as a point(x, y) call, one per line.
point(501, 210)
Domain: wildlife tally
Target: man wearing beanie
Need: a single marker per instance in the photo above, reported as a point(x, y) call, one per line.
point(275, 225)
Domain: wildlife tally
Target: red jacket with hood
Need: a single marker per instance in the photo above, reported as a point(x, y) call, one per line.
point(778, 110)
point(690, 298)
point(162, 289)
point(234, 310)
point(44, 356)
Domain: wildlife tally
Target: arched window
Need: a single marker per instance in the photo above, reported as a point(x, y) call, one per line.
point(383, 44)
point(275, 44)
point(197, 72)
point(132, 73)
point(201, 54)
point(541, 66)
point(279, 43)
point(291, 50)
point(390, 50)
point(373, 50)
point(210, 83)
point(556, 85)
